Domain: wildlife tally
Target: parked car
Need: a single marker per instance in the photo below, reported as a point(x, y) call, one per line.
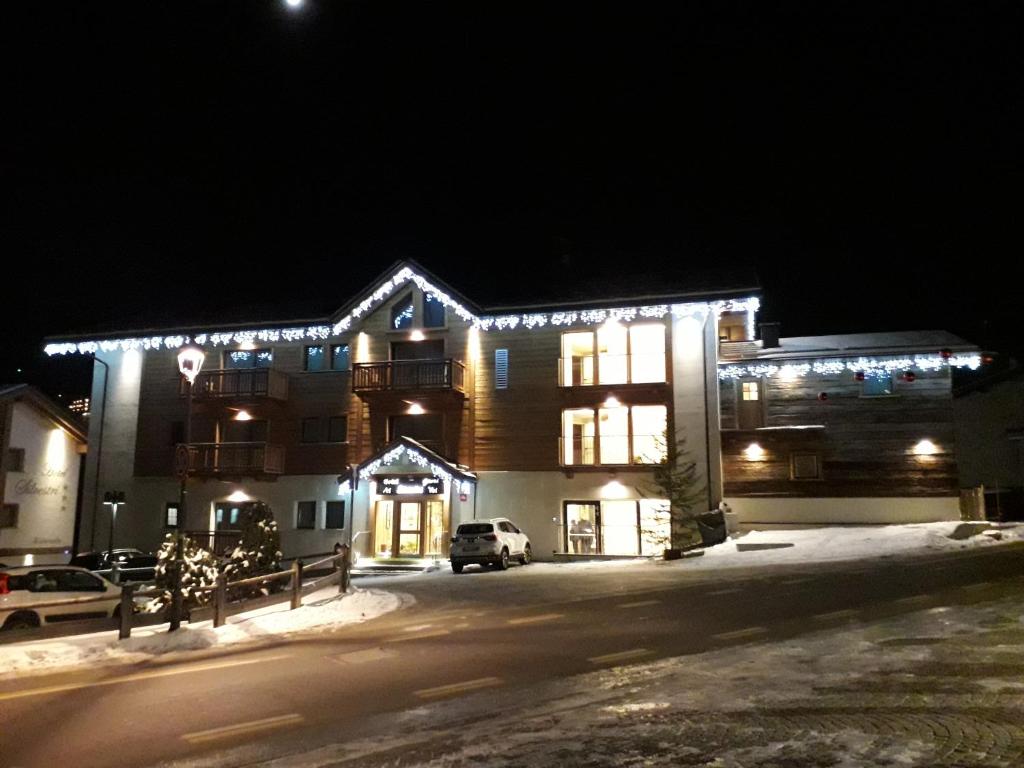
point(25, 590)
point(132, 564)
point(489, 542)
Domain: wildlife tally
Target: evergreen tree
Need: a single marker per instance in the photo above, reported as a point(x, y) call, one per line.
point(677, 481)
point(259, 547)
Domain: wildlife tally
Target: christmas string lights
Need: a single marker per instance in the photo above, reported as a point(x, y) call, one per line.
point(529, 321)
point(868, 366)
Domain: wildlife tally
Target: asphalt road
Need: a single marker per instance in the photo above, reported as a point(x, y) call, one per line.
point(489, 633)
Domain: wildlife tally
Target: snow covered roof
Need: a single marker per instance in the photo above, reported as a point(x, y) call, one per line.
point(859, 344)
point(408, 452)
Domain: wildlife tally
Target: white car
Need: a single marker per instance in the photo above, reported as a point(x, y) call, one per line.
point(489, 542)
point(25, 591)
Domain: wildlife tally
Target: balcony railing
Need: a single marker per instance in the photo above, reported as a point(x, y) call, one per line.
point(239, 382)
point(616, 450)
point(236, 459)
point(589, 370)
point(408, 375)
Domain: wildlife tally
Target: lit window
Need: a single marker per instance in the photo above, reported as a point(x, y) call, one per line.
point(578, 367)
point(646, 354)
point(650, 423)
point(615, 434)
point(751, 390)
point(614, 354)
point(171, 515)
point(579, 432)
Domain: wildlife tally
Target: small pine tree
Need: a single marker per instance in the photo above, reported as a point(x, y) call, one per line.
point(259, 547)
point(200, 569)
point(677, 481)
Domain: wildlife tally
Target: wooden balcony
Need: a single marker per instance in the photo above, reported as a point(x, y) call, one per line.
point(235, 459)
point(409, 376)
point(239, 383)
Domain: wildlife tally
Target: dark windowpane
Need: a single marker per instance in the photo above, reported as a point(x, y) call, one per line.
point(335, 515)
point(15, 459)
point(78, 581)
point(314, 359)
point(337, 431)
point(9, 516)
point(306, 517)
point(240, 358)
point(876, 386)
point(264, 358)
point(339, 357)
point(401, 313)
point(433, 312)
point(311, 431)
point(177, 432)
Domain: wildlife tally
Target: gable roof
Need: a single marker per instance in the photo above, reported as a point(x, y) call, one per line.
point(28, 394)
point(418, 454)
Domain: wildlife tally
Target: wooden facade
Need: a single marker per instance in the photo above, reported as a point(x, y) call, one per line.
point(865, 446)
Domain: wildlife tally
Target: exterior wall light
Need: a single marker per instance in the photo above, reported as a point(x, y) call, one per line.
point(925, 448)
point(417, 336)
point(190, 362)
point(415, 409)
point(243, 416)
point(754, 452)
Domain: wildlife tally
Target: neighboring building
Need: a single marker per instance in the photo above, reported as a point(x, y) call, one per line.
point(411, 410)
point(990, 442)
point(42, 449)
point(845, 429)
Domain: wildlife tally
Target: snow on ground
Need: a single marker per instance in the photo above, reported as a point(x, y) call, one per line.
point(943, 686)
point(829, 544)
point(322, 611)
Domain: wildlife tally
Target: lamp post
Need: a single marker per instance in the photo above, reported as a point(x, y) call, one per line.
point(112, 499)
point(190, 362)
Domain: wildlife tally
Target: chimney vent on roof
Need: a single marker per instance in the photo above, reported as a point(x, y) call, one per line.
point(769, 335)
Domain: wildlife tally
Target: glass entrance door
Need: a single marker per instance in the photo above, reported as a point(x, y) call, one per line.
point(410, 529)
point(383, 529)
point(581, 527)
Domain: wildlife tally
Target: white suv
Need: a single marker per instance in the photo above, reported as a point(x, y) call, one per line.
point(489, 542)
point(26, 594)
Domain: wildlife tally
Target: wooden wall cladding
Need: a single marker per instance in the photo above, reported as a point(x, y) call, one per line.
point(866, 444)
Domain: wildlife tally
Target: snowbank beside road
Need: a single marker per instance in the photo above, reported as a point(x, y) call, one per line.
point(321, 611)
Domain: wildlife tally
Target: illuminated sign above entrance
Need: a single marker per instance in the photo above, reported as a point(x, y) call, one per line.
point(410, 486)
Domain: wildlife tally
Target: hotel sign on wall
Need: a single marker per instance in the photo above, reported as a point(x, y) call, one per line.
point(410, 486)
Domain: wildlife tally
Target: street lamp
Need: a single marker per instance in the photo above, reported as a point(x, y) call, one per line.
point(190, 362)
point(112, 499)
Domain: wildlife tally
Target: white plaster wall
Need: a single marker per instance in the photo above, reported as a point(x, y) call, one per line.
point(46, 491)
point(695, 396)
point(119, 420)
point(533, 500)
point(756, 513)
point(148, 499)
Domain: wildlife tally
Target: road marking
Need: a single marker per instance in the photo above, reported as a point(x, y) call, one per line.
point(455, 688)
point(537, 619)
point(846, 613)
point(423, 636)
point(797, 581)
point(610, 658)
point(361, 657)
point(138, 676)
point(983, 585)
point(726, 592)
point(418, 628)
point(913, 599)
point(639, 604)
point(228, 731)
point(740, 633)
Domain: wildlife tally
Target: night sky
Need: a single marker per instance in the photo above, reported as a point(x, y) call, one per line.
point(864, 158)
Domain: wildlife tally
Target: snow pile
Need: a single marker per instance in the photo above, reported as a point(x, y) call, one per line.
point(322, 611)
point(815, 545)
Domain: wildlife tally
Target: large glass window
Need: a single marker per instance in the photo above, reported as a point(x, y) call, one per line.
point(248, 358)
point(614, 435)
point(579, 431)
point(401, 313)
point(433, 312)
point(314, 358)
point(614, 354)
point(626, 527)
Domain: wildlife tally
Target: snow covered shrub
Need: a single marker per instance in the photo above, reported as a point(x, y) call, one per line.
point(200, 569)
point(258, 551)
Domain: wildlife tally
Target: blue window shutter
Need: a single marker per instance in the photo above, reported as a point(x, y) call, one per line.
point(501, 369)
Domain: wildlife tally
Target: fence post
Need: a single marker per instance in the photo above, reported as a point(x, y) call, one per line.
point(296, 584)
point(176, 596)
point(341, 563)
point(220, 601)
point(127, 609)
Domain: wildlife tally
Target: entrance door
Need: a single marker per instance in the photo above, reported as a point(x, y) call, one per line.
point(750, 407)
point(384, 528)
point(410, 529)
point(582, 526)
